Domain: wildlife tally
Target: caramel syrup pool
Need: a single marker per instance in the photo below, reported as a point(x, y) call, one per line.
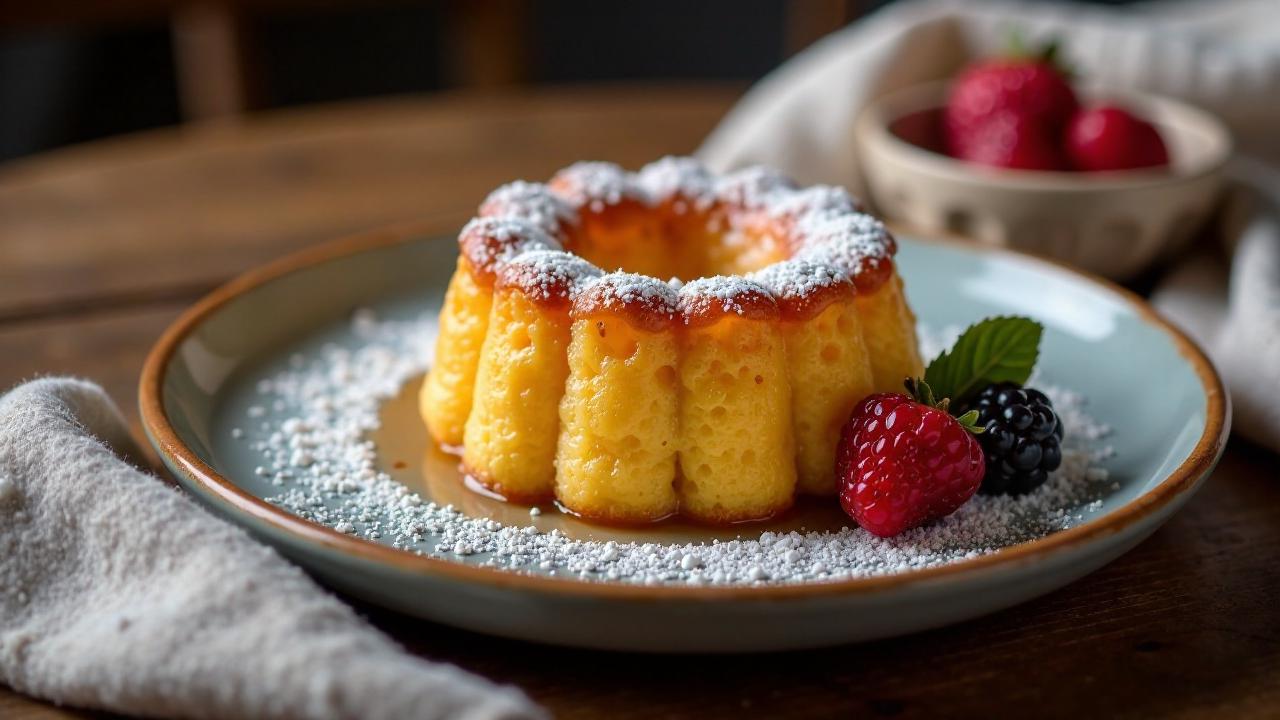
point(407, 453)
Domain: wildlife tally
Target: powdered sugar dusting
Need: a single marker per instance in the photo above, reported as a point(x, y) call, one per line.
point(817, 200)
point(757, 187)
point(533, 202)
point(678, 177)
point(852, 243)
point(597, 185)
point(490, 242)
point(506, 229)
point(316, 450)
point(722, 293)
point(545, 274)
point(621, 290)
point(825, 222)
point(798, 279)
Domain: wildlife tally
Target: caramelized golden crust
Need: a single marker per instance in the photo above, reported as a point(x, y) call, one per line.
point(705, 301)
point(489, 243)
point(627, 234)
point(596, 185)
point(673, 212)
point(873, 275)
point(532, 202)
point(857, 245)
point(547, 277)
point(803, 289)
point(644, 302)
point(810, 305)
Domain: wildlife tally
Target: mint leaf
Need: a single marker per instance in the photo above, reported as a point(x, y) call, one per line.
point(999, 349)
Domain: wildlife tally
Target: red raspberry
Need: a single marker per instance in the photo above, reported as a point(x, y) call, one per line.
point(901, 463)
point(1111, 138)
point(1010, 112)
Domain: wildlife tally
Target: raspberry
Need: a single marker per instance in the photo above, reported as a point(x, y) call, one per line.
point(1021, 439)
point(901, 463)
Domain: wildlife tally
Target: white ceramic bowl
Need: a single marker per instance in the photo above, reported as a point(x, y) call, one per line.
point(1114, 224)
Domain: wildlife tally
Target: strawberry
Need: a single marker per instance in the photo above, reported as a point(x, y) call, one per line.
point(1010, 140)
point(1010, 112)
point(902, 463)
point(1111, 138)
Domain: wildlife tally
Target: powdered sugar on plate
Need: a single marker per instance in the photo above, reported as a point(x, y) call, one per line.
point(315, 448)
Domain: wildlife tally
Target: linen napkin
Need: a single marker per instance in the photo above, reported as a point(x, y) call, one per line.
point(1223, 55)
point(118, 592)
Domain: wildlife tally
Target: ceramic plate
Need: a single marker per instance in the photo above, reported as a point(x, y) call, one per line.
point(202, 405)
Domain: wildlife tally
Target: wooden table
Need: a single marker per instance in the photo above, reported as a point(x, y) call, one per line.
point(101, 246)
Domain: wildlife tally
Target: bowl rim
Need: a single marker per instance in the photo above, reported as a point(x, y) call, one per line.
point(178, 455)
point(871, 128)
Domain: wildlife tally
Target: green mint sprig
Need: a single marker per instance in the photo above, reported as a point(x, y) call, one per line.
point(998, 349)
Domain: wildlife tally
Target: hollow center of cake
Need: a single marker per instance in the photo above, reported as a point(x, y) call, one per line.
point(685, 245)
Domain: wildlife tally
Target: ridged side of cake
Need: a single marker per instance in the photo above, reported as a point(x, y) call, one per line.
point(619, 422)
point(889, 330)
point(446, 397)
point(510, 439)
point(737, 447)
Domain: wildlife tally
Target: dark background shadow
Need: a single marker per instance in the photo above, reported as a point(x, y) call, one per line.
point(72, 71)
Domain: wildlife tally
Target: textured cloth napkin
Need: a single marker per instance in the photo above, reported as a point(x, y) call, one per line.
point(1223, 55)
point(118, 592)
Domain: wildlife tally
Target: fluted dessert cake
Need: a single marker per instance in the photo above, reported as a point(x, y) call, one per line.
point(717, 394)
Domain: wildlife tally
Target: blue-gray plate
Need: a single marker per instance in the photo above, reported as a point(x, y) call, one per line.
point(1143, 378)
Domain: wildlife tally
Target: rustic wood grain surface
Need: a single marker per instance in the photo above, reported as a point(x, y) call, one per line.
point(101, 247)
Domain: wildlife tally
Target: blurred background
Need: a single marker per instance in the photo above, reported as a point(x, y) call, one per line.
point(77, 70)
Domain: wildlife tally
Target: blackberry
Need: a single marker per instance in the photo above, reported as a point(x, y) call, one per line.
point(1022, 438)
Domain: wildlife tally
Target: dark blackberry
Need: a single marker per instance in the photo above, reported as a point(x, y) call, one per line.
point(1022, 438)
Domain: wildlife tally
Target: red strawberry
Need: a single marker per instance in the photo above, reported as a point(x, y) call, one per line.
point(1010, 112)
point(1111, 138)
point(1010, 140)
point(901, 463)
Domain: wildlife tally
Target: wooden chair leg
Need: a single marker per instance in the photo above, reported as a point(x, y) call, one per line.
point(210, 53)
point(487, 44)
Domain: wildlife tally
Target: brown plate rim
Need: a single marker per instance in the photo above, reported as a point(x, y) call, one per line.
point(164, 437)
